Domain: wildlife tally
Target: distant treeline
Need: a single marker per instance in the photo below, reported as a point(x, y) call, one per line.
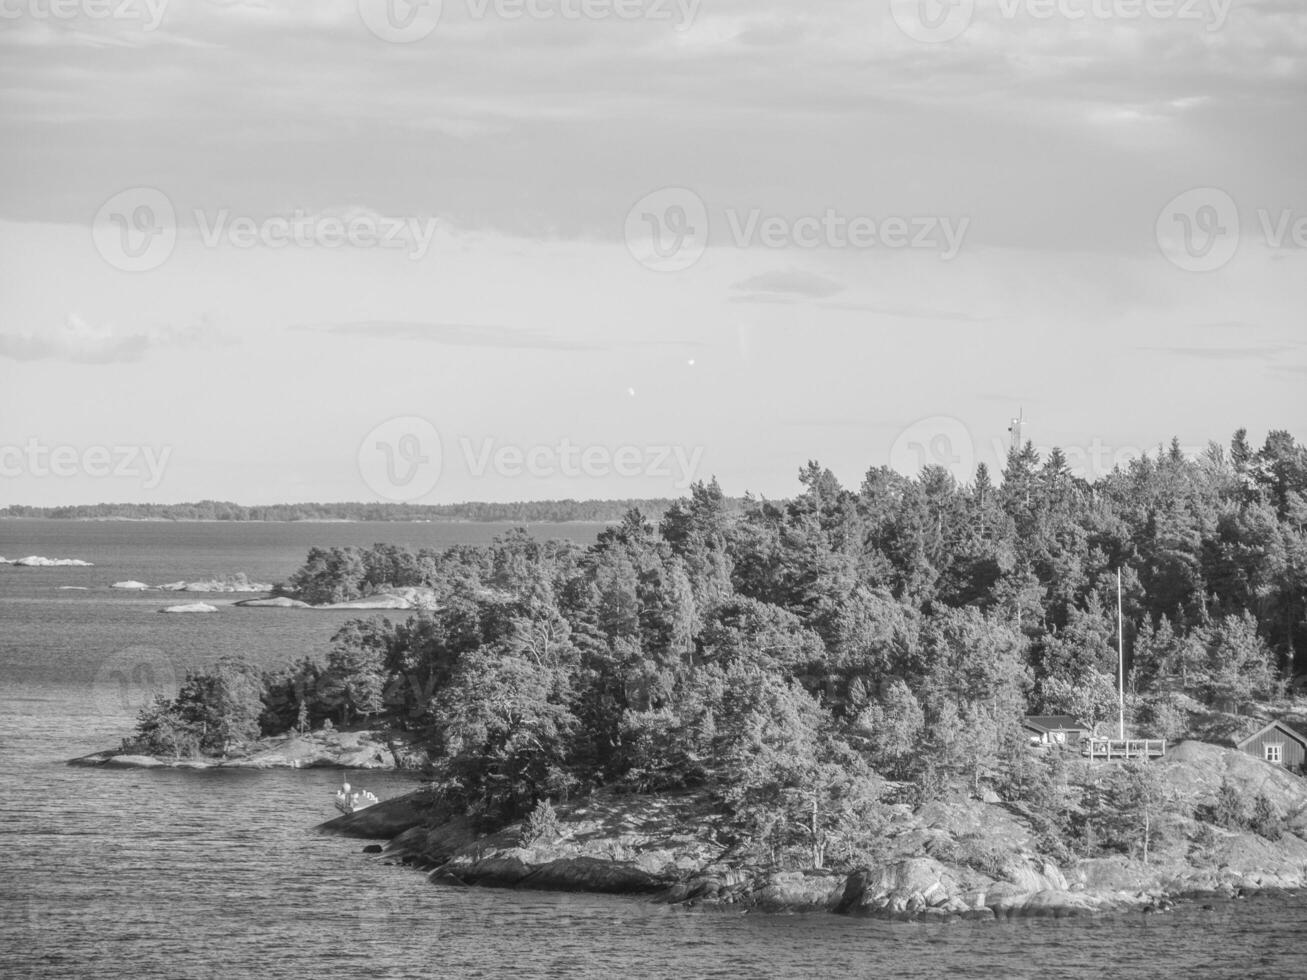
point(522, 512)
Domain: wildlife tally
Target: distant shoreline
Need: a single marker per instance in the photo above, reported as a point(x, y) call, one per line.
point(528, 512)
point(307, 520)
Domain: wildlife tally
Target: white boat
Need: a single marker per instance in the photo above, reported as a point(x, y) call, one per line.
point(351, 801)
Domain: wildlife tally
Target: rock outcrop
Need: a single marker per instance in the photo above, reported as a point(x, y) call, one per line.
point(411, 597)
point(321, 749)
point(368, 602)
point(36, 561)
point(130, 585)
point(393, 600)
point(192, 607)
point(216, 585)
point(952, 857)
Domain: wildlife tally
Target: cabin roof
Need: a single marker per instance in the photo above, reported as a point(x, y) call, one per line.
point(1056, 723)
point(1297, 737)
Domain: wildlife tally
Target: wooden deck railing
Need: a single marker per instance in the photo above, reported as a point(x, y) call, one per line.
point(1130, 748)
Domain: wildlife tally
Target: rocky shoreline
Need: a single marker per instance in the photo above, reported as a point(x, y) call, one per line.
point(666, 848)
point(313, 750)
point(955, 857)
point(951, 858)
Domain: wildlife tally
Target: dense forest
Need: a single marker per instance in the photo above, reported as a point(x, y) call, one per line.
point(524, 512)
point(794, 656)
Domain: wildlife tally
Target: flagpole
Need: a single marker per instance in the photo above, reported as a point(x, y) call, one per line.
point(1120, 660)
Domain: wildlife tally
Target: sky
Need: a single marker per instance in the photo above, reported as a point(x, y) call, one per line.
point(534, 249)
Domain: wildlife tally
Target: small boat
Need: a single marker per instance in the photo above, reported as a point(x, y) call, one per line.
point(351, 801)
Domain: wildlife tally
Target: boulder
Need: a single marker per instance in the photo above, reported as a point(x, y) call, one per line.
point(586, 874)
point(388, 820)
point(796, 891)
point(193, 607)
point(497, 871)
point(1031, 877)
point(891, 886)
point(1060, 904)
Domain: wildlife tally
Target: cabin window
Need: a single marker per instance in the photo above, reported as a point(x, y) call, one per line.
point(1275, 752)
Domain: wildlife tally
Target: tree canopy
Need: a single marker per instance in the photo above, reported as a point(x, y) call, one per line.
point(790, 655)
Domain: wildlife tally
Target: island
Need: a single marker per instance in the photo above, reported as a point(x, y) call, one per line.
point(917, 699)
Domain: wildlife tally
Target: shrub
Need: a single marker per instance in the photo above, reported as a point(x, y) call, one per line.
point(1204, 838)
point(928, 786)
point(1228, 810)
point(1265, 822)
point(540, 826)
point(976, 852)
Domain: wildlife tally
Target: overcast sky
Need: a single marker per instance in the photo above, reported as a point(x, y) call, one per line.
point(878, 236)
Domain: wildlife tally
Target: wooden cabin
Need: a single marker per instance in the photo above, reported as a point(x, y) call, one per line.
point(1056, 729)
point(1277, 744)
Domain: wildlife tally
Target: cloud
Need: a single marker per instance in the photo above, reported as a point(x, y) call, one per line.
point(620, 102)
point(452, 335)
point(919, 313)
point(492, 336)
point(769, 286)
point(763, 298)
point(80, 342)
point(821, 424)
point(1267, 352)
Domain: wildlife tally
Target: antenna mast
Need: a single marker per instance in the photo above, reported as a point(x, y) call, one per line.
point(1120, 660)
point(1018, 424)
